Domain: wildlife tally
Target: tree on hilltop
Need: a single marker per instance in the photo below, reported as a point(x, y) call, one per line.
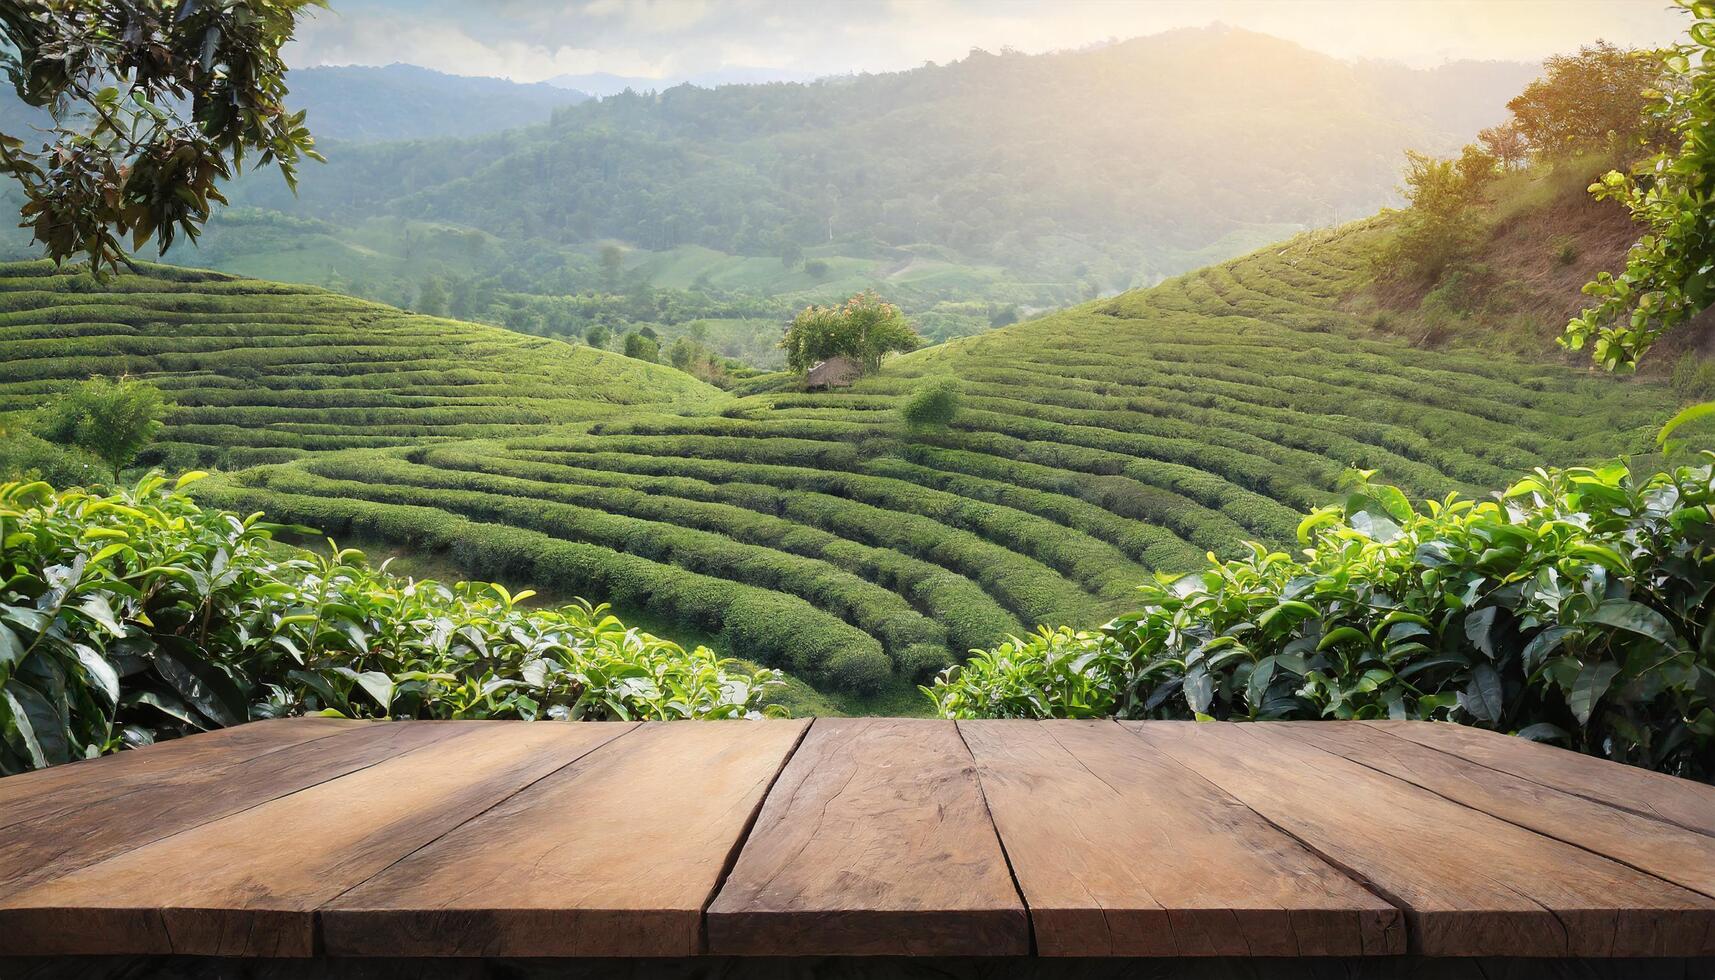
point(153, 104)
point(865, 329)
point(1505, 143)
point(1586, 100)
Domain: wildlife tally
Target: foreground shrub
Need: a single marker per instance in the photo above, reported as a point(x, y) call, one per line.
point(25, 457)
point(932, 406)
point(136, 616)
point(1574, 608)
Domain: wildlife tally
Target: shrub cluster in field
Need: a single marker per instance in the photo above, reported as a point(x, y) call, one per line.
point(1573, 608)
point(138, 615)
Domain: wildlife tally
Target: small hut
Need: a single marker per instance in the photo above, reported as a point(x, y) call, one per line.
point(835, 372)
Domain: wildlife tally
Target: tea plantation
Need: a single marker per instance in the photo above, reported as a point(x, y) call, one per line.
point(815, 531)
point(265, 372)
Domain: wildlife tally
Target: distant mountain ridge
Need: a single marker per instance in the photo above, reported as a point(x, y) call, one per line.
point(600, 84)
point(1118, 164)
point(360, 104)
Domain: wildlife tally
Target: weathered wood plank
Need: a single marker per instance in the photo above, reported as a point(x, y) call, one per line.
point(1122, 852)
point(1665, 850)
point(68, 788)
point(180, 799)
point(249, 883)
point(1471, 884)
point(1651, 794)
point(874, 841)
point(617, 855)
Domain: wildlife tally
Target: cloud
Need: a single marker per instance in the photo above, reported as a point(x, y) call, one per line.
point(530, 40)
point(385, 38)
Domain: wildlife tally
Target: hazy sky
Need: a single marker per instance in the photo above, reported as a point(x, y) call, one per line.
point(530, 40)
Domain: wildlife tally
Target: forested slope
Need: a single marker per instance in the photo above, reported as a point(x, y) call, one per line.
point(815, 532)
point(1113, 164)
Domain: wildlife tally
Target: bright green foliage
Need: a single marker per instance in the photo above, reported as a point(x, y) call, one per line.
point(177, 91)
point(933, 406)
point(1574, 609)
point(112, 420)
point(1441, 226)
point(1670, 272)
point(138, 616)
point(813, 532)
point(25, 457)
point(865, 329)
point(1053, 673)
point(264, 372)
point(641, 347)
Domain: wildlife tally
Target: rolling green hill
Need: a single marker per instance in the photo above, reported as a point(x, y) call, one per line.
point(265, 372)
point(813, 531)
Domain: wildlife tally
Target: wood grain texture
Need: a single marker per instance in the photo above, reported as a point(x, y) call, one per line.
point(1650, 794)
point(878, 837)
point(1665, 850)
point(874, 841)
point(1121, 852)
point(617, 855)
point(249, 883)
point(178, 799)
point(1470, 884)
point(67, 788)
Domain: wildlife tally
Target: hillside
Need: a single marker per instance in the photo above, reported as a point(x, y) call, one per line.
point(265, 372)
point(1045, 180)
point(811, 531)
point(1031, 155)
point(1540, 237)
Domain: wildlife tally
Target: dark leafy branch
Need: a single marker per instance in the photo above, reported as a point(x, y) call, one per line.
point(154, 103)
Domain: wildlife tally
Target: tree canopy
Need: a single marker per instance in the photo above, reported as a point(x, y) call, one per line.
point(1586, 99)
point(112, 420)
point(1670, 273)
point(154, 103)
point(865, 329)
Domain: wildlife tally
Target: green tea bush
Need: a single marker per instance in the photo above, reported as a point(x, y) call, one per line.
point(933, 406)
point(1573, 608)
point(139, 615)
point(25, 457)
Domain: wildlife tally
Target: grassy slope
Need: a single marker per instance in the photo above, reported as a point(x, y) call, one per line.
point(1094, 446)
point(1540, 238)
point(265, 372)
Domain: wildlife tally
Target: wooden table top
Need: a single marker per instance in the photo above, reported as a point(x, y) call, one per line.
point(876, 836)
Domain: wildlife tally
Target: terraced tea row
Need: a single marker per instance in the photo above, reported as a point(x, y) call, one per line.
point(816, 532)
point(1092, 448)
point(263, 372)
